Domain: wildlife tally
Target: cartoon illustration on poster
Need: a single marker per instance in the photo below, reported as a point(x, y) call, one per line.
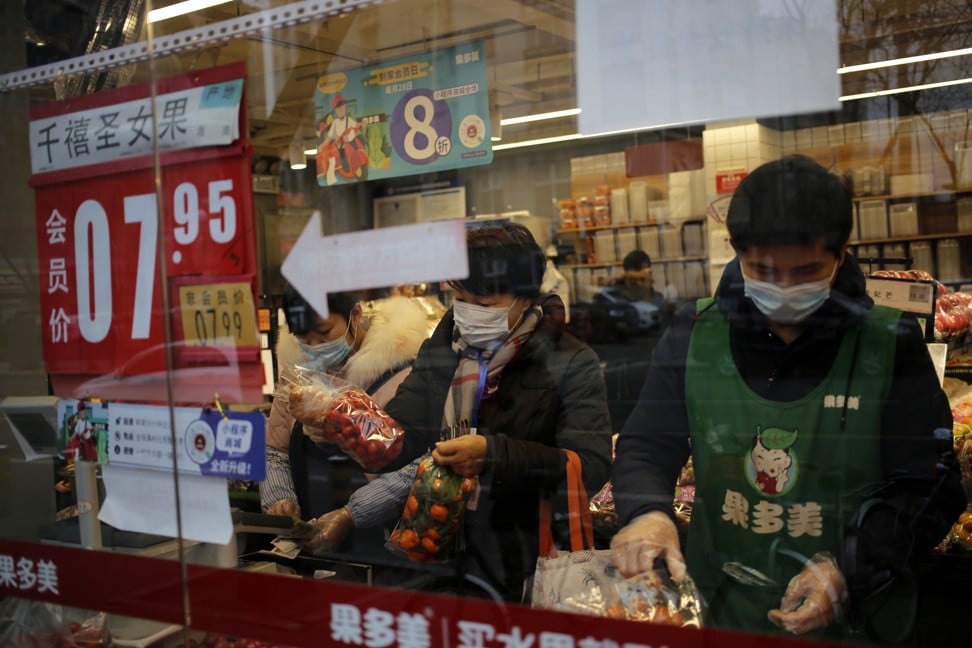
point(83, 431)
point(423, 113)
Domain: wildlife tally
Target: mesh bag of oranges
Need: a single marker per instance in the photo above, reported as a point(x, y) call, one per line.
point(428, 530)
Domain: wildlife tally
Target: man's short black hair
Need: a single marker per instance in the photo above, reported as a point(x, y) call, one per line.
point(636, 260)
point(790, 201)
point(503, 259)
point(301, 316)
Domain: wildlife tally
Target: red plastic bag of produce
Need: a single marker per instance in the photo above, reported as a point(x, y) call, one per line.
point(429, 526)
point(335, 411)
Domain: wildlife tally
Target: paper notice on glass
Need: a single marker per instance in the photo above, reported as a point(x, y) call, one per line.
point(652, 64)
point(143, 501)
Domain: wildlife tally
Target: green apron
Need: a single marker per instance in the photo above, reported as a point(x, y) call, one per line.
point(777, 482)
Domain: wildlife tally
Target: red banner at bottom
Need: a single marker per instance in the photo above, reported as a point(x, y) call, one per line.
point(308, 612)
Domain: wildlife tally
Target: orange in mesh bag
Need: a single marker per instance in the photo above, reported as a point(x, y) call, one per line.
point(429, 526)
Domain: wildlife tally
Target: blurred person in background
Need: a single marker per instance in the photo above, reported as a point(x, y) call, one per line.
point(637, 283)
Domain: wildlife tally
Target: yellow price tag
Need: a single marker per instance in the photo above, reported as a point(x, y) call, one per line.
point(218, 314)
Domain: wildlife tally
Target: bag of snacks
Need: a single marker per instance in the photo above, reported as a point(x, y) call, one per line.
point(335, 411)
point(655, 597)
point(429, 527)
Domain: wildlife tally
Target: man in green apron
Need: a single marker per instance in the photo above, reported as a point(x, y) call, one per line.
point(800, 400)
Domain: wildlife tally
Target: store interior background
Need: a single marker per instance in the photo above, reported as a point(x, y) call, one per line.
point(532, 69)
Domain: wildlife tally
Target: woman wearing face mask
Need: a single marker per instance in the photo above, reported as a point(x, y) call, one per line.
point(368, 343)
point(500, 363)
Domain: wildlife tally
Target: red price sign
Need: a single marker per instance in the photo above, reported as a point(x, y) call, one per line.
point(105, 231)
point(727, 181)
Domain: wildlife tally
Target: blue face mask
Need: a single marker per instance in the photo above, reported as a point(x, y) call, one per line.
point(790, 305)
point(326, 354)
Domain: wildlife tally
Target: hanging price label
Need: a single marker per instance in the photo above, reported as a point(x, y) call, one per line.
point(106, 230)
point(218, 314)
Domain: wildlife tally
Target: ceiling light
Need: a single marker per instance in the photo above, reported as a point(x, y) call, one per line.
point(847, 69)
point(526, 119)
point(298, 159)
point(577, 136)
point(310, 151)
point(914, 88)
point(182, 8)
point(538, 142)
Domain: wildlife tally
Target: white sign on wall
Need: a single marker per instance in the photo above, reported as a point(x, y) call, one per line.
point(651, 64)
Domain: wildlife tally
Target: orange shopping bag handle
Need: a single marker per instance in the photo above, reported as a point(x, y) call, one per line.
point(578, 512)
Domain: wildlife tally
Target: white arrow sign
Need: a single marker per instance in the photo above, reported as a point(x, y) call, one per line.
point(387, 256)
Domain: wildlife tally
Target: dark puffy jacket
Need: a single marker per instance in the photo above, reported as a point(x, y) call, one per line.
point(551, 397)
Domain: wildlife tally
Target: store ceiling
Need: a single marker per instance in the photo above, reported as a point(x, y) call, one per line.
point(530, 46)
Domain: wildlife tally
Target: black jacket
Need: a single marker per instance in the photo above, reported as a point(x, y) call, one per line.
point(654, 442)
point(551, 397)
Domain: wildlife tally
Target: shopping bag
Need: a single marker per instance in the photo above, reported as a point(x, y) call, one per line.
point(584, 580)
point(565, 576)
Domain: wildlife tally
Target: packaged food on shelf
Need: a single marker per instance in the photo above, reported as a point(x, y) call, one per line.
point(604, 247)
point(873, 217)
point(619, 206)
point(638, 201)
point(568, 214)
point(602, 215)
point(650, 241)
point(903, 219)
point(585, 212)
point(953, 315)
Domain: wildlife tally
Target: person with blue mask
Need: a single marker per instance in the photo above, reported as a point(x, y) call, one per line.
point(369, 343)
point(818, 430)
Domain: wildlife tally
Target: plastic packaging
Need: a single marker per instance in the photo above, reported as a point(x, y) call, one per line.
point(429, 527)
point(652, 597)
point(337, 412)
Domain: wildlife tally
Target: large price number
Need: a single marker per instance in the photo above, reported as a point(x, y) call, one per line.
point(92, 250)
point(421, 126)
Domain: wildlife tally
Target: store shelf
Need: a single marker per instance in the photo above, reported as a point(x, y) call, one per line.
point(597, 228)
point(600, 228)
point(915, 237)
point(909, 196)
point(574, 266)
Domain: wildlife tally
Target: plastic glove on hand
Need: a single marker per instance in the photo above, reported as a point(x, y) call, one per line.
point(646, 538)
point(285, 507)
point(813, 597)
point(332, 529)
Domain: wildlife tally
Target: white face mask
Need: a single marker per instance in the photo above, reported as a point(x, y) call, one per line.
point(481, 326)
point(790, 305)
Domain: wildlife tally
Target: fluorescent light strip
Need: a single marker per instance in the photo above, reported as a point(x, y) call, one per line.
point(847, 69)
point(577, 136)
point(914, 88)
point(538, 142)
point(182, 8)
point(526, 119)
